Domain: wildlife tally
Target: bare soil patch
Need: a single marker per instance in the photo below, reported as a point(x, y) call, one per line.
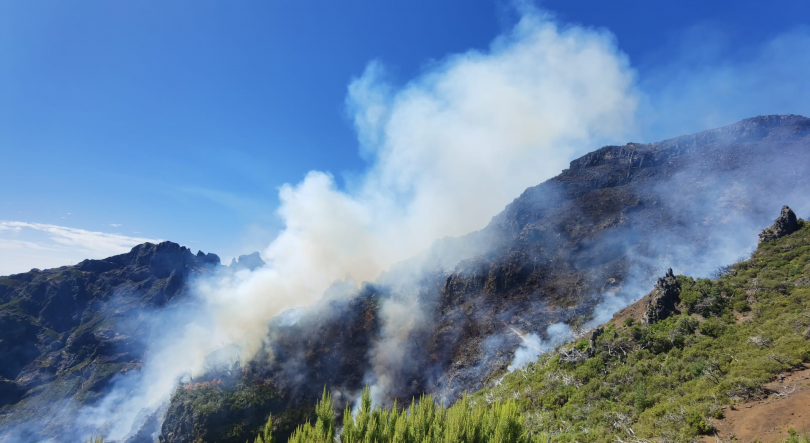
point(788, 406)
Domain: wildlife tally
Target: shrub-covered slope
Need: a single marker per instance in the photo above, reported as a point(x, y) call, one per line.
point(666, 381)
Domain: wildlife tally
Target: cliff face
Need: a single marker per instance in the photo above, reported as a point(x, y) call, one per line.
point(66, 332)
point(572, 249)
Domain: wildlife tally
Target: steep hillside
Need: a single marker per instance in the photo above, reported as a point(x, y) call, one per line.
point(679, 364)
point(569, 250)
point(712, 350)
point(690, 359)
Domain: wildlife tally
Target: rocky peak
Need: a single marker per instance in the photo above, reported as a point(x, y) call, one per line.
point(662, 299)
point(208, 259)
point(785, 224)
point(248, 261)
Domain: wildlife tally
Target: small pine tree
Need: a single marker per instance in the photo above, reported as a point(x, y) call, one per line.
point(424, 422)
point(266, 436)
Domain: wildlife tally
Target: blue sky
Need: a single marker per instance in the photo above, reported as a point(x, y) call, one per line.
point(180, 120)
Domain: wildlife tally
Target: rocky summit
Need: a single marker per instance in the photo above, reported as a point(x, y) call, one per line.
point(572, 250)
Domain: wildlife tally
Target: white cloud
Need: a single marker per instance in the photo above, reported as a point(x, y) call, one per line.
point(26, 245)
point(116, 225)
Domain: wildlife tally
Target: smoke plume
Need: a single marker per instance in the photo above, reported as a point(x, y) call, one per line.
point(446, 151)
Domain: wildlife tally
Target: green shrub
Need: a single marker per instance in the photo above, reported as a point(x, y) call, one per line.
point(713, 327)
point(423, 422)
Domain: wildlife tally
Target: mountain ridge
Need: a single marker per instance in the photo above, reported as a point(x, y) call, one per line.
point(602, 229)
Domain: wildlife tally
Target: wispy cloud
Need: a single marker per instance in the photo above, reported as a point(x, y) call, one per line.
point(25, 245)
point(227, 199)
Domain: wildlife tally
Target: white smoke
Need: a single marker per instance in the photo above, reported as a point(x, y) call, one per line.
point(532, 346)
point(446, 151)
point(457, 144)
point(703, 82)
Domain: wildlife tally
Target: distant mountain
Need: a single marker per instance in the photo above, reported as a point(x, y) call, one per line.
point(65, 332)
point(571, 250)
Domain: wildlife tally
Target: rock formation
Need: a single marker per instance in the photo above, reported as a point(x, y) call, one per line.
point(248, 261)
point(66, 332)
point(663, 299)
point(785, 224)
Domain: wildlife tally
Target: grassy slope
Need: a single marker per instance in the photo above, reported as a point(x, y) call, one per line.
point(665, 381)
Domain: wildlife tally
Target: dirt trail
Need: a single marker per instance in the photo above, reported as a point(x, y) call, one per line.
point(769, 419)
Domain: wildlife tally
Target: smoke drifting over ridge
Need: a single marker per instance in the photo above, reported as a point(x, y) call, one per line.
point(447, 151)
point(701, 82)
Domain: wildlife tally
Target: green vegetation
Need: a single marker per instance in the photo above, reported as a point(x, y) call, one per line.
point(423, 422)
point(197, 408)
point(9, 282)
point(668, 380)
point(794, 437)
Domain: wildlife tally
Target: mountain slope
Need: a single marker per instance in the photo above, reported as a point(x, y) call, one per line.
point(687, 360)
point(674, 379)
point(66, 332)
point(573, 249)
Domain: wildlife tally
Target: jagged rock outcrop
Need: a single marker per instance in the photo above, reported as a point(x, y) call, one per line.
point(250, 262)
point(595, 334)
point(785, 224)
point(663, 299)
point(210, 259)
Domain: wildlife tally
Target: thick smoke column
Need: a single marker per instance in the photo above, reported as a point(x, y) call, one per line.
point(460, 142)
point(447, 151)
